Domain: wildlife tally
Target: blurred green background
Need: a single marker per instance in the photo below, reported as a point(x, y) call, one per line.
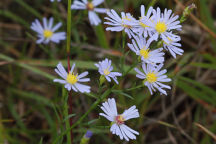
point(31, 106)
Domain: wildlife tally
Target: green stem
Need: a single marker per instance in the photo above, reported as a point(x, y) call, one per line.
point(65, 111)
point(152, 3)
point(69, 100)
point(69, 27)
point(96, 103)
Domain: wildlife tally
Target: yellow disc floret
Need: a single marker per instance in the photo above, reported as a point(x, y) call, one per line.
point(47, 33)
point(119, 119)
point(124, 25)
point(151, 77)
point(106, 72)
point(90, 6)
point(71, 78)
point(160, 27)
point(144, 53)
point(126, 18)
point(143, 25)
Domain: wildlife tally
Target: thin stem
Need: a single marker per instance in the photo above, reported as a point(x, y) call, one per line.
point(70, 102)
point(68, 62)
point(96, 103)
point(70, 108)
point(66, 114)
point(69, 27)
point(152, 3)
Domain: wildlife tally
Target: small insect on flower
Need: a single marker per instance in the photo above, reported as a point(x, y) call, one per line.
point(105, 68)
point(91, 7)
point(143, 27)
point(46, 32)
point(153, 77)
point(173, 45)
point(164, 23)
point(126, 22)
point(141, 48)
point(71, 80)
point(118, 126)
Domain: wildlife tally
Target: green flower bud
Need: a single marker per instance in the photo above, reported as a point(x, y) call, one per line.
point(102, 79)
point(187, 12)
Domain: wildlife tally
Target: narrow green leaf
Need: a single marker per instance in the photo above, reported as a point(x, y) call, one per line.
point(68, 117)
point(122, 93)
point(29, 8)
point(204, 65)
point(101, 36)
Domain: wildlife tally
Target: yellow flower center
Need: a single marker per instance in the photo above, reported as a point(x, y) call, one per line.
point(90, 6)
point(143, 25)
point(119, 119)
point(126, 18)
point(160, 27)
point(144, 53)
point(106, 72)
point(47, 33)
point(71, 78)
point(124, 25)
point(151, 77)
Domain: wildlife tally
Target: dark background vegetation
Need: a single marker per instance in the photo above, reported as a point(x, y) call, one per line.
point(31, 104)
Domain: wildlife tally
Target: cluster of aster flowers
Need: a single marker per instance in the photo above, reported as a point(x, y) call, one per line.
point(153, 26)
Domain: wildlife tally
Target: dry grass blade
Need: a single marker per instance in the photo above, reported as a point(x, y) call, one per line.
point(206, 130)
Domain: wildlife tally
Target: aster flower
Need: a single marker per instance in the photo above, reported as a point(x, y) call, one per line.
point(118, 120)
point(46, 32)
point(141, 47)
point(72, 80)
point(173, 45)
point(153, 77)
point(143, 27)
point(105, 68)
point(91, 7)
point(163, 23)
point(126, 22)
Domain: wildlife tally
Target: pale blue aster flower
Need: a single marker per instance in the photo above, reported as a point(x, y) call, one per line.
point(126, 22)
point(153, 77)
point(72, 80)
point(46, 32)
point(105, 68)
point(91, 7)
point(119, 127)
point(142, 27)
point(141, 47)
point(163, 24)
point(173, 45)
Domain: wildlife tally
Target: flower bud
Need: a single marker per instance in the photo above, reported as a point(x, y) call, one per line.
point(102, 79)
point(85, 139)
point(187, 12)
